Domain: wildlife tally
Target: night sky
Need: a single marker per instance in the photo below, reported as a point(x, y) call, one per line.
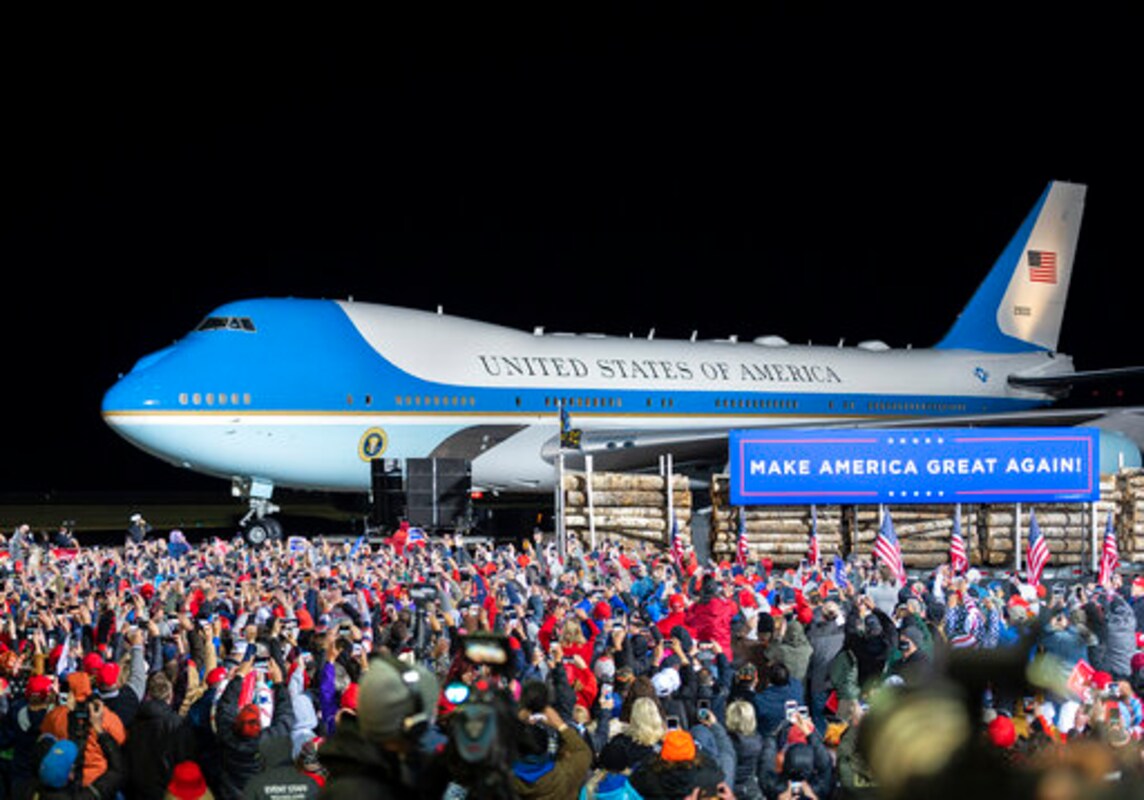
point(820, 179)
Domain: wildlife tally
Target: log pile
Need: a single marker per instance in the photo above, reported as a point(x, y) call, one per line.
point(780, 533)
point(634, 508)
point(924, 531)
point(625, 507)
point(1130, 531)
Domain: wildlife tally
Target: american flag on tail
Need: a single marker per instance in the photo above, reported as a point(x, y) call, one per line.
point(887, 549)
point(958, 559)
point(1109, 554)
point(1038, 553)
point(741, 545)
point(812, 554)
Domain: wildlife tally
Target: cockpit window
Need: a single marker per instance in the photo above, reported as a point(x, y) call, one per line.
point(226, 323)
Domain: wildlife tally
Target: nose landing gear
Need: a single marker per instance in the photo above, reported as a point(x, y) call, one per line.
point(259, 527)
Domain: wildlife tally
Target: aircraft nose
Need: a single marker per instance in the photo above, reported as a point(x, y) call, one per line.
point(138, 388)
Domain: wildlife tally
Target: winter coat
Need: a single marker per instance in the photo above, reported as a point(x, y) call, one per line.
point(94, 760)
point(240, 756)
point(279, 777)
point(107, 785)
point(657, 779)
point(563, 777)
point(871, 639)
point(18, 732)
point(1120, 637)
point(716, 742)
point(710, 620)
point(770, 705)
point(633, 752)
point(826, 637)
point(749, 765)
point(157, 740)
point(793, 650)
point(843, 674)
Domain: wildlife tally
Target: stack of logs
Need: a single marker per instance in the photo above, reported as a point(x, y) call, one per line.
point(1130, 531)
point(625, 507)
point(781, 533)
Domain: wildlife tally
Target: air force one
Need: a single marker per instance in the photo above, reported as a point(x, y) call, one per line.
point(303, 394)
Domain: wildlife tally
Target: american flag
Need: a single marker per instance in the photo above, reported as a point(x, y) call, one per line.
point(1109, 555)
point(569, 436)
point(887, 550)
point(1038, 553)
point(812, 553)
point(741, 548)
point(1042, 266)
point(971, 622)
point(958, 560)
point(676, 545)
point(840, 572)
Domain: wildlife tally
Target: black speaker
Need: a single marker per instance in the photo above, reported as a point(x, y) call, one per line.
point(437, 491)
point(387, 489)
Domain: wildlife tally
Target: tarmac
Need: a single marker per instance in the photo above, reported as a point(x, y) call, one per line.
point(103, 519)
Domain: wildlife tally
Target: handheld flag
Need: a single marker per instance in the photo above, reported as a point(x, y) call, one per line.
point(840, 578)
point(355, 548)
point(1038, 553)
point(887, 550)
point(416, 537)
point(812, 554)
point(958, 560)
point(741, 549)
point(1109, 554)
point(569, 436)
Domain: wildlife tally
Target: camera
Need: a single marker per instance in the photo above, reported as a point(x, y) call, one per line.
point(422, 593)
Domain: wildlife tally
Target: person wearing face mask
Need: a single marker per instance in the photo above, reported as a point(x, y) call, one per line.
point(914, 667)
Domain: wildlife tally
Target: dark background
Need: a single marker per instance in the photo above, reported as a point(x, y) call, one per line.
point(662, 167)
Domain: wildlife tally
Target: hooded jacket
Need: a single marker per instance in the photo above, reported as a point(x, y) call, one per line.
point(794, 650)
point(240, 756)
point(1119, 636)
point(826, 637)
point(557, 778)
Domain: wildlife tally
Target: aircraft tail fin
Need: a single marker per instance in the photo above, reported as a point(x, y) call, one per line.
point(1020, 305)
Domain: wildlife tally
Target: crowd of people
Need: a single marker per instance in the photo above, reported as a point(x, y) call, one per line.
point(427, 666)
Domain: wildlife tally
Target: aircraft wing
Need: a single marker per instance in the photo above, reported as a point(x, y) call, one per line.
point(1062, 384)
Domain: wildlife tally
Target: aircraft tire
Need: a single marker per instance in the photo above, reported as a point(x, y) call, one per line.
point(257, 533)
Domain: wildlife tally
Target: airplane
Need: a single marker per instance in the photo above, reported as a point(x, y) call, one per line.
point(305, 393)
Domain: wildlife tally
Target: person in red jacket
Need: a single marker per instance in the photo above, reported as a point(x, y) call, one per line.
point(710, 618)
point(677, 615)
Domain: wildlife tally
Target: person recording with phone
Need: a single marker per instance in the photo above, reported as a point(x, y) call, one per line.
point(85, 718)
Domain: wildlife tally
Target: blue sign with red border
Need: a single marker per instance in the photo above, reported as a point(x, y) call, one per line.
point(939, 465)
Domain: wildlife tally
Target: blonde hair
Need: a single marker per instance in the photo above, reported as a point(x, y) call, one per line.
point(646, 725)
point(572, 633)
point(741, 718)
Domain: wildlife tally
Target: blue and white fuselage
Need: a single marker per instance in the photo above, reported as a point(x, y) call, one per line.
point(304, 393)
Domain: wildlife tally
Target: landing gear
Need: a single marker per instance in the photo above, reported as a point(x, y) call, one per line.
point(260, 526)
point(262, 531)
